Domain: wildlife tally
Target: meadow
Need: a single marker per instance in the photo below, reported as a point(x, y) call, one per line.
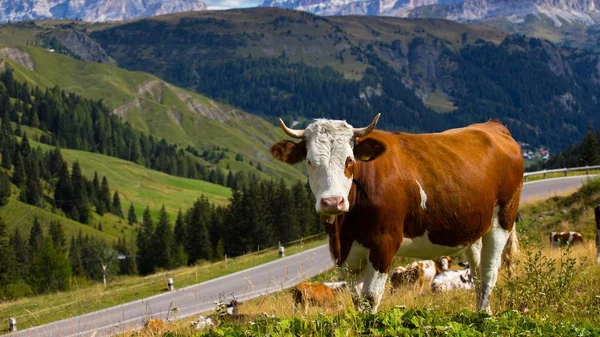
point(554, 292)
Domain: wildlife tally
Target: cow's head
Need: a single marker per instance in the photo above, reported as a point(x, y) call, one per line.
point(330, 148)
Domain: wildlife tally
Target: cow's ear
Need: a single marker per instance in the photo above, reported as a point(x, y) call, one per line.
point(289, 152)
point(368, 149)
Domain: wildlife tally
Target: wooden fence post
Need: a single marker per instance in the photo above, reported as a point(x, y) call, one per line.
point(12, 324)
point(597, 215)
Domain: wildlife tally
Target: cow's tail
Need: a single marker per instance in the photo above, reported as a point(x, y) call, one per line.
point(511, 252)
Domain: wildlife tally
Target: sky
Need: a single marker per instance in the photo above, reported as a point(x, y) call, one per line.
point(226, 4)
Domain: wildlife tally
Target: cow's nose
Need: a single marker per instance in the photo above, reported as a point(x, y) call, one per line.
point(332, 204)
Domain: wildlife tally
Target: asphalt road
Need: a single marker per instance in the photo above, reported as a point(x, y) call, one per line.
point(244, 285)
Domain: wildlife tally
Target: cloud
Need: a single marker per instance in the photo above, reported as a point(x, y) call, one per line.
point(227, 4)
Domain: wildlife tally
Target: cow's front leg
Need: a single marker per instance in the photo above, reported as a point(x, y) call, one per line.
point(373, 288)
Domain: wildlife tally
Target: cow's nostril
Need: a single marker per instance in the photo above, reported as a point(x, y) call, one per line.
point(332, 202)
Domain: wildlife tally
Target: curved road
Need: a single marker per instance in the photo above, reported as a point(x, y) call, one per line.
point(244, 285)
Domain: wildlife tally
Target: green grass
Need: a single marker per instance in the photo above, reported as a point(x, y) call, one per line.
point(52, 307)
point(158, 108)
point(142, 186)
point(19, 214)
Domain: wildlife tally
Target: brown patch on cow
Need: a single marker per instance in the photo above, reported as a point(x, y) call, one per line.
point(349, 168)
point(288, 151)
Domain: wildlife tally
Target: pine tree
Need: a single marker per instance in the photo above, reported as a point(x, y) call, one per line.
point(163, 241)
point(100, 208)
point(145, 250)
point(4, 188)
point(301, 209)
point(7, 141)
point(19, 175)
point(131, 217)
point(81, 209)
point(19, 246)
point(198, 245)
point(50, 268)
point(57, 234)
point(7, 257)
point(63, 191)
point(104, 195)
point(75, 257)
point(116, 205)
point(179, 231)
point(288, 228)
point(24, 148)
point(36, 236)
point(589, 156)
point(33, 185)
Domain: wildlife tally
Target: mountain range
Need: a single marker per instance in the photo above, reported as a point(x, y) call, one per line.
point(91, 10)
point(569, 22)
point(571, 11)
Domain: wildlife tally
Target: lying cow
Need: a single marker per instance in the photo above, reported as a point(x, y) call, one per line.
point(381, 193)
point(561, 239)
point(453, 279)
point(306, 293)
point(419, 273)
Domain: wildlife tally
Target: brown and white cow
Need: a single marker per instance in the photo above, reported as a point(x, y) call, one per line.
point(418, 195)
point(560, 239)
point(306, 293)
point(419, 273)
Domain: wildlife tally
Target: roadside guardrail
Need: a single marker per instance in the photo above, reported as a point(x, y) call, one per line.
point(562, 170)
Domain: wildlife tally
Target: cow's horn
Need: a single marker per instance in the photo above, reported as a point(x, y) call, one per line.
point(359, 132)
point(291, 132)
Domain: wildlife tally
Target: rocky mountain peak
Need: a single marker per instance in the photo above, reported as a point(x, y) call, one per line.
point(92, 10)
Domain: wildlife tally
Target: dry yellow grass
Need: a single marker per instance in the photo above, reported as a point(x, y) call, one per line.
point(281, 304)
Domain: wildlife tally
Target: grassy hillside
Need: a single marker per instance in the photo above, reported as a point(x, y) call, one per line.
point(135, 184)
point(144, 187)
point(157, 107)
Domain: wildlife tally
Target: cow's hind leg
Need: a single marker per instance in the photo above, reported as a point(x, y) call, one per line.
point(493, 244)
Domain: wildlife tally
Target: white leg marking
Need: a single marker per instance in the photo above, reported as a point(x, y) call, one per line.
point(374, 287)
point(491, 257)
point(423, 196)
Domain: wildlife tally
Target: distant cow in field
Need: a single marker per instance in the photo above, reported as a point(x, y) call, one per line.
point(560, 239)
point(154, 324)
point(306, 293)
point(419, 273)
point(453, 279)
point(380, 194)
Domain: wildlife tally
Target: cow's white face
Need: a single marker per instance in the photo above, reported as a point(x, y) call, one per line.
point(330, 162)
point(330, 148)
